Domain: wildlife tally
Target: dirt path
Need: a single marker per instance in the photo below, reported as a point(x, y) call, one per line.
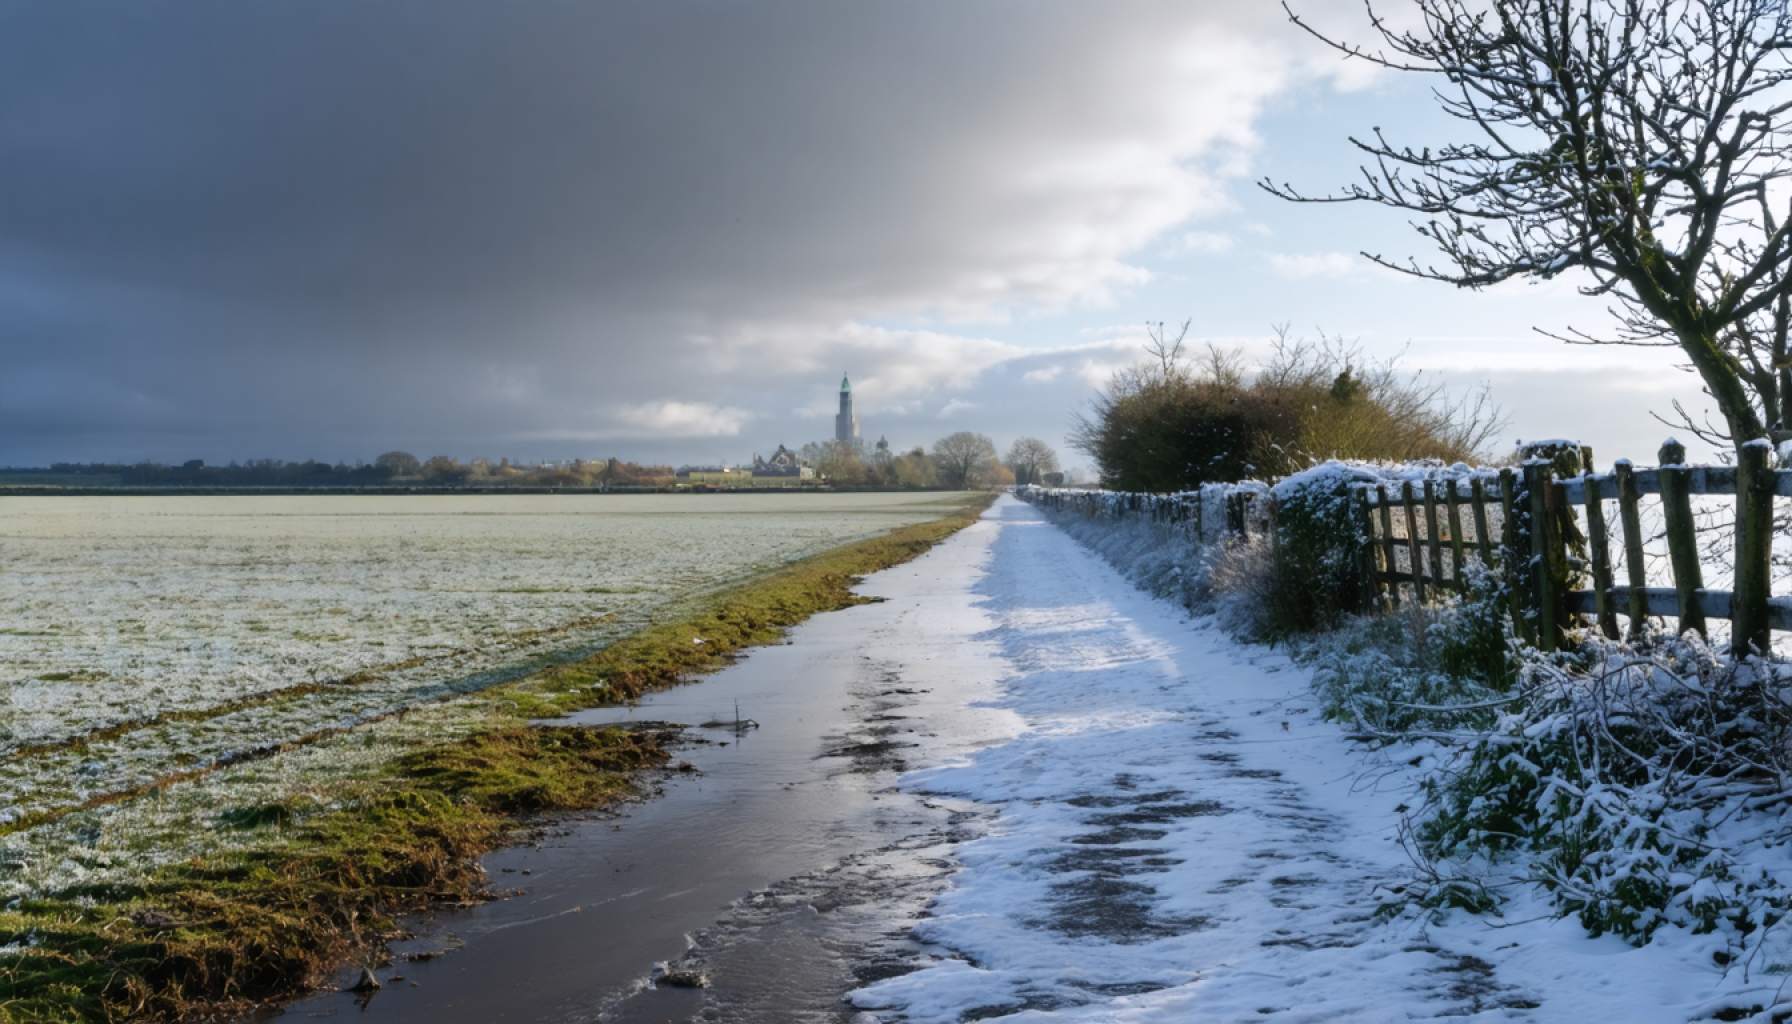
point(1017, 788)
point(1176, 837)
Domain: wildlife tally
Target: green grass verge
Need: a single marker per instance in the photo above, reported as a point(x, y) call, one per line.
point(217, 935)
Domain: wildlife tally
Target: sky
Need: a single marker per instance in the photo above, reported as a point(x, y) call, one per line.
point(664, 230)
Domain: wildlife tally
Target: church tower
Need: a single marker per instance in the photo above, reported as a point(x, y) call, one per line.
point(846, 425)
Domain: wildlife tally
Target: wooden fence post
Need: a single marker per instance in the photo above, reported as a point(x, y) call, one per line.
point(1454, 494)
point(1749, 627)
point(1601, 554)
point(1546, 553)
point(1631, 522)
point(1483, 533)
point(1513, 558)
point(1434, 549)
point(1387, 540)
point(1371, 553)
point(1412, 542)
point(1683, 540)
point(1553, 547)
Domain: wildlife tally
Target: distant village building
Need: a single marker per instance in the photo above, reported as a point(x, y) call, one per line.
point(782, 464)
point(785, 467)
point(846, 425)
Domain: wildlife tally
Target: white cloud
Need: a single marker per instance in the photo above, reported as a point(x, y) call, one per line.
point(1096, 373)
point(1306, 265)
point(955, 407)
point(1043, 375)
point(1202, 242)
point(684, 419)
point(663, 420)
point(1132, 334)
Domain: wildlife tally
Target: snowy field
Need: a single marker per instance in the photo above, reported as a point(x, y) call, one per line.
point(1180, 837)
point(147, 638)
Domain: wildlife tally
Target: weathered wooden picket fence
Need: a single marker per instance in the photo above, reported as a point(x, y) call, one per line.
point(1418, 537)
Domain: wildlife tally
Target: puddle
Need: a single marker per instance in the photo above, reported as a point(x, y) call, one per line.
point(785, 870)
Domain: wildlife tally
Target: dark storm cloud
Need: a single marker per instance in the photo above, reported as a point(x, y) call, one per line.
point(232, 229)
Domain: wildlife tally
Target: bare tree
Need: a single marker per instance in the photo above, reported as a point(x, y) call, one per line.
point(1167, 351)
point(963, 459)
point(1029, 459)
point(1640, 141)
point(841, 463)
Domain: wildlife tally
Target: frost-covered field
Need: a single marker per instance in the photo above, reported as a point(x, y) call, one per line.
point(151, 637)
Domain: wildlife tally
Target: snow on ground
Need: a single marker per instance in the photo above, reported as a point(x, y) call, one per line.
point(1181, 837)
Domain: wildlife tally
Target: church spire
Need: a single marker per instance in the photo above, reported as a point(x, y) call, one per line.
point(846, 425)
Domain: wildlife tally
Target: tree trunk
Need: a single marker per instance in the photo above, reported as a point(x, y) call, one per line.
point(1723, 380)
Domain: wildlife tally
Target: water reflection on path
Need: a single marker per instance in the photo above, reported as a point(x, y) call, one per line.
point(787, 869)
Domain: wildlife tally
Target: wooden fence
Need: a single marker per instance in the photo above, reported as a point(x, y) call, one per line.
point(1213, 513)
point(1418, 537)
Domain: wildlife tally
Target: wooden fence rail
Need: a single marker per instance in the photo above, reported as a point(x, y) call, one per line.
point(1419, 538)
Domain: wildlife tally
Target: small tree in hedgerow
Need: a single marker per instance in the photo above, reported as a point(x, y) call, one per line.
point(1639, 142)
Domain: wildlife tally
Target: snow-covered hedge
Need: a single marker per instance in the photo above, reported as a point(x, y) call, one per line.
point(1308, 577)
point(1317, 571)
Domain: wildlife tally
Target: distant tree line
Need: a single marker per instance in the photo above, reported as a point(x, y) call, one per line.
point(964, 461)
point(960, 461)
point(1176, 421)
point(396, 468)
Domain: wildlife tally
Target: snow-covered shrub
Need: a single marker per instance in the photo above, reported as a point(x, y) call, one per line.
point(1241, 581)
point(1180, 547)
point(1316, 577)
point(1624, 778)
point(1163, 559)
point(1434, 667)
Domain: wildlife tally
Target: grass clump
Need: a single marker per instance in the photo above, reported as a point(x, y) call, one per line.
point(248, 927)
point(1440, 667)
point(530, 769)
point(708, 637)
